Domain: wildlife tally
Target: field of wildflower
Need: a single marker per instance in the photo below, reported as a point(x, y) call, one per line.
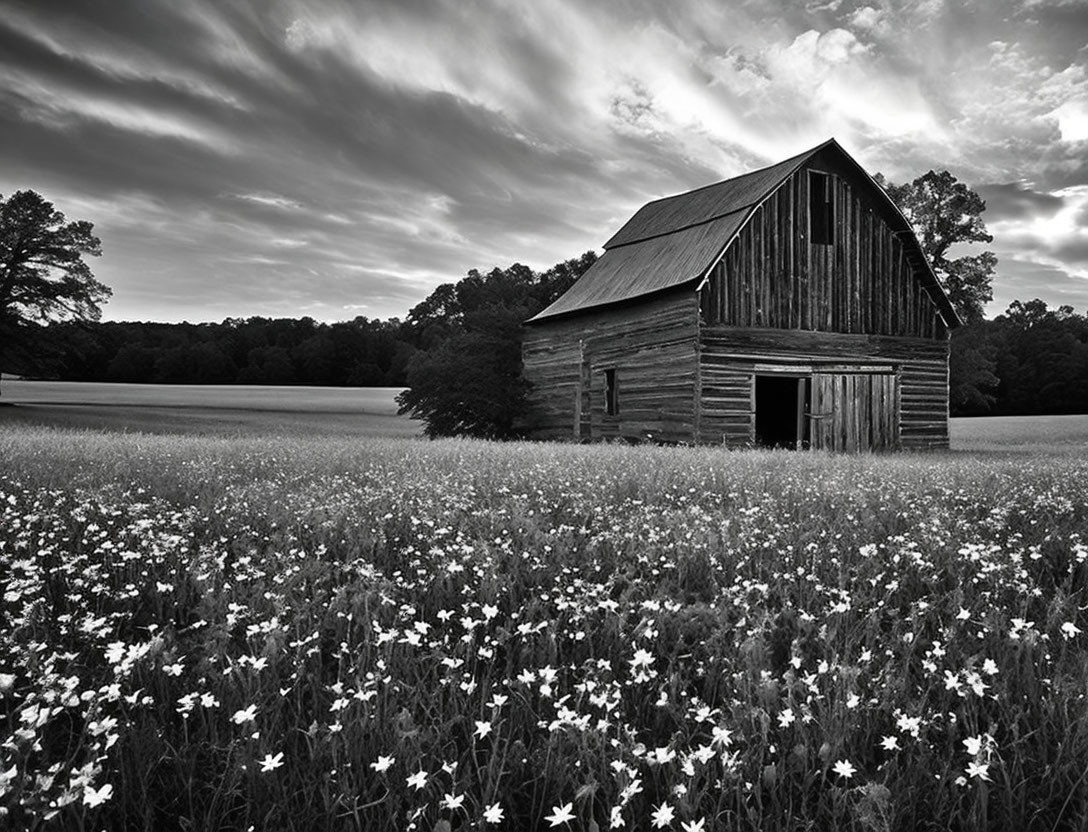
point(321, 634)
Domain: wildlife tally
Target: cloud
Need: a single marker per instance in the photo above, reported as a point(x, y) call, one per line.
point(271, 201)
point(101, 53)
point(813, 55)
point(55, 109)
point(256, 159)
point(1026, 279)
point(47, 84)
point(1072, 118)
point(1017, 201)
point(1042, 244)
point(870, 20)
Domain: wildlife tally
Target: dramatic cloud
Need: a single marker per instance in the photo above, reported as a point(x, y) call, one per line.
point(1057, 236)
point(1016, 201)
point(344, 158)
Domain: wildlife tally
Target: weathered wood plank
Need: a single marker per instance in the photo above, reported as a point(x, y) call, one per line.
point(652, 349)
point(912, 393)
point(862, 283)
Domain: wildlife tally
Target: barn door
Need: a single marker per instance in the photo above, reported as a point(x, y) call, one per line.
point(854, 411)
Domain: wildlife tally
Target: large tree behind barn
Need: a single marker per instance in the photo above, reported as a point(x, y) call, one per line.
point(788, 307)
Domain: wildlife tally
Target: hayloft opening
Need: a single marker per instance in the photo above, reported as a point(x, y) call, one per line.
point(781, 403)
point(821, 209)
point(611, 395)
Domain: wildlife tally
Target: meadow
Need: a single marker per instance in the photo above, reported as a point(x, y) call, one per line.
point(291, 631)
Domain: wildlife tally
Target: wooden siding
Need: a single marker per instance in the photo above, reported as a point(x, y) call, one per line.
point(730, 358)
point(651, 346)
point(727, 416)
point(854, 411)
point(772, 276)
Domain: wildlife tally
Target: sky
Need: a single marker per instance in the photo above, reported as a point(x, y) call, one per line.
point(334, 159)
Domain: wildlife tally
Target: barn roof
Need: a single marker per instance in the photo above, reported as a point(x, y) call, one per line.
point(675, 241)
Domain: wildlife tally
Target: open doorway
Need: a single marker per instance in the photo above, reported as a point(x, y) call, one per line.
point(781, 404)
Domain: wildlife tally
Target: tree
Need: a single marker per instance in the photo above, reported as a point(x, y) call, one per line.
point(1042, 359)
point(465, 379)
point(945, 212)
point(268, 365)
point(971, 365)
point(133, 363)
point(43, 275)
point(470, 384)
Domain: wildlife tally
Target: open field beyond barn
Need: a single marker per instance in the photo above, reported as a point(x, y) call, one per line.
point(321, 632)
point(209, 410)
point(240, 410)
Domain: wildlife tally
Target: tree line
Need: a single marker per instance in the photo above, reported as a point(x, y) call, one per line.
point(1030, 360)
point(357, 353)
point(466, 333)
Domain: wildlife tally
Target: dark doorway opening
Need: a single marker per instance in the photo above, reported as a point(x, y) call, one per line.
point(781, 404)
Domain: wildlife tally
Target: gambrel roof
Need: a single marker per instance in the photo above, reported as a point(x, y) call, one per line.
point(675, 241)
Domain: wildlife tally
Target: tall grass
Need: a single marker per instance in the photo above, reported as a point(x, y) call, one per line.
point(293, 634)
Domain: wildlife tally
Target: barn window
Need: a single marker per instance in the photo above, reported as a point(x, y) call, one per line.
point(611, 395)
point(821, 209)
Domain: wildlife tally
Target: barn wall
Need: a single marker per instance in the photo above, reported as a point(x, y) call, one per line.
point(729, 356)
point(651, 346)
point(773, 276)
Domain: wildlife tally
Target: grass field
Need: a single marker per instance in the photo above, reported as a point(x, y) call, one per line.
point(221, 410)
point(238, 410)
point(293, 631)
point(1064, 435)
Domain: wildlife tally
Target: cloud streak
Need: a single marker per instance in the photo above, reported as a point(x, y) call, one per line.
point(266, 158)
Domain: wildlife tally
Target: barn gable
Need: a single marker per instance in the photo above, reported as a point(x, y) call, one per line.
point(676, 241)
point(792, 306)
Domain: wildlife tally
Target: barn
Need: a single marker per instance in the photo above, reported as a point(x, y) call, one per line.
point(788, 307)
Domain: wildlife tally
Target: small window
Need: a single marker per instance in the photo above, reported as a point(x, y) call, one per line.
point(821, 209)
point(611, 396)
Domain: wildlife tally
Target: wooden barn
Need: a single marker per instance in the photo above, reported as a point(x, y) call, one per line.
point(788, 307)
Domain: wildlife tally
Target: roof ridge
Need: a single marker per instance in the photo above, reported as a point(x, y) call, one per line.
point(664, 216)
point(680, 228)
point(763, 169)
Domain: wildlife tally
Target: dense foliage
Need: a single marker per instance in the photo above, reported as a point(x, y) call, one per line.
point(43, 273)
point(945, 213)
point(453, 635)
point(1035, 359)
point(467, 380)
point(361, 352)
